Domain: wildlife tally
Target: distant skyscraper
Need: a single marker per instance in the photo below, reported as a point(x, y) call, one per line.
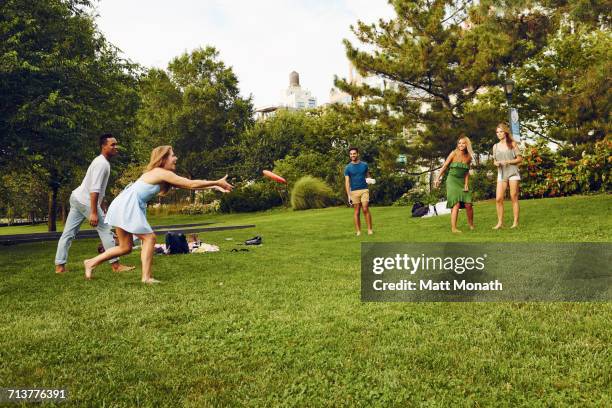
point(341, 97)
point(338, 96)
point(355, 78)
point(295, 97)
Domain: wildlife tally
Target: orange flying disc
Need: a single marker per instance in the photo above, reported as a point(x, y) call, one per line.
point(275, 177)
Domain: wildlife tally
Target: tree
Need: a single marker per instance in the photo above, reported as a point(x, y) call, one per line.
point(195, 106)
point(440, 58)
point(267, 141)
point(292, 133)
point(314, 142)
point(564, 93)
point(62, 84)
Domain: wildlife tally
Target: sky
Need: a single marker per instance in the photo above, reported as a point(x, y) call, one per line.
point(263, 41)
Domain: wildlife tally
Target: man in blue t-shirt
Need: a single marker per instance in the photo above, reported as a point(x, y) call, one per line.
point(355, 174)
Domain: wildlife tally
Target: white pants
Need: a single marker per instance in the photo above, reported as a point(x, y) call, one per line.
point(78, 213)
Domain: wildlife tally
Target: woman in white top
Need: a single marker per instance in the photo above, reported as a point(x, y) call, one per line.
point(507, 157)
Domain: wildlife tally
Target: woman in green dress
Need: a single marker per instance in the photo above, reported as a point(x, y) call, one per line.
point(458, 194)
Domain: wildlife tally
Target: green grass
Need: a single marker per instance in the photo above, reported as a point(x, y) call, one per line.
point(154, 220)
point(283, 324)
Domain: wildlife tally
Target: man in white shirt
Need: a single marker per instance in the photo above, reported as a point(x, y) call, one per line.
point(85, 203)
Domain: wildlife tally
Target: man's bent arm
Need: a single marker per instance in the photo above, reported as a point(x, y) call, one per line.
point(93, 204)
point(347, 185)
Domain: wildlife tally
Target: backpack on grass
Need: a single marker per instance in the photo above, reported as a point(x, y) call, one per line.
point(419, 209)
point(176, 243)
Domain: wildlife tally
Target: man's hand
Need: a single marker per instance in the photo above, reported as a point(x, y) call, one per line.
point(437, 183)
point(93, 219)
point(349, 200)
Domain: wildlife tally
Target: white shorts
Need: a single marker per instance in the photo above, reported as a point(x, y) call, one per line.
point(511, 178)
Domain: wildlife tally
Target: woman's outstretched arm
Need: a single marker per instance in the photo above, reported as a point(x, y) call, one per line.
point(159, 175)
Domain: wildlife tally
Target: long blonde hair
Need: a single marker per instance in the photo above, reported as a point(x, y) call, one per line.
point(506, 129)
point(159, 155)
point(468, 143)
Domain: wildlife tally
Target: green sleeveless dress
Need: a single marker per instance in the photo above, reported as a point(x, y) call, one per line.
point(454, 185)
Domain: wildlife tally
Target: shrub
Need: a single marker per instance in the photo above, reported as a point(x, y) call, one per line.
point(311, 192)
point(250, 198)
point(159, 209)
point(549, 174)
point(594, 170)
point(537, 166)
point(206, 196)
point(200, 208)
point(315, 164)
point(420, 194)
point(483, 181)
point(389, 188)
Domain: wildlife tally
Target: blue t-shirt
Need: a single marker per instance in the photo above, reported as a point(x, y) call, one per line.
point(357, 175)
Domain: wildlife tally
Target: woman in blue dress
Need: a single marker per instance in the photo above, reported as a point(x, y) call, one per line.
point(127, 212)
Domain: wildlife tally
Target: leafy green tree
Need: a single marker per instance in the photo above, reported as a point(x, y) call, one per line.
point(315, 133)
point(267, 141)
point(23, 196)
point(564, 94)
point(61, 84)
point(439, 58)
point(156, 118)
point(196, 107)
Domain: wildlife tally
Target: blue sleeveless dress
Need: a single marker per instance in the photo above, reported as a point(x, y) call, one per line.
point(129, 210)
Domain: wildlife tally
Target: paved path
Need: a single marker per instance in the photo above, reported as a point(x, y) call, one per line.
point(159, 230)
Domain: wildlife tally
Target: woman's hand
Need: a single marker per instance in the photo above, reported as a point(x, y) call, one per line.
point(224, 185)
point(221, 189)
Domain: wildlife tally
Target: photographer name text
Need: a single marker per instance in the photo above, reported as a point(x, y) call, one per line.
point(441, 286)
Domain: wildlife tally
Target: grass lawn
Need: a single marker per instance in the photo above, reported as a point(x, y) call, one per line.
point(283, 324)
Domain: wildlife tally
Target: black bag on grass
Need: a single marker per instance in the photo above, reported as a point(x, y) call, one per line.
point(176, 243)
point(419, 209)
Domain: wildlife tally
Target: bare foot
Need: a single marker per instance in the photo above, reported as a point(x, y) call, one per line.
point(455, 231)
point(358, 233)
point(514, 226)
point(117, 267)
point(60, 268)
point(88, 269)
point(151, 281)
point(498, 226)
point(370, 232)
point(472, 228)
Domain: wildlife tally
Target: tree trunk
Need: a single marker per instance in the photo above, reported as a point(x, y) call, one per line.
point(431, 176)
point(64, 212)
point(51, 225)
point(192, 193)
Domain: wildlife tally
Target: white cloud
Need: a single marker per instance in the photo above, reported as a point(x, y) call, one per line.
point(262, 40)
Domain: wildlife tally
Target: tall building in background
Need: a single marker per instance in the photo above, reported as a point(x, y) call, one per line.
point(355, 78)
point(341, 97)
point(295, 97)
point(338, 96)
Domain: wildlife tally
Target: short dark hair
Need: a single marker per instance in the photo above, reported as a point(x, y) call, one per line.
point(104, 138)
point(353, 148)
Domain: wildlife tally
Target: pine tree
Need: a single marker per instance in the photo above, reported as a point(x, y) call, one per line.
point(447, 60)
